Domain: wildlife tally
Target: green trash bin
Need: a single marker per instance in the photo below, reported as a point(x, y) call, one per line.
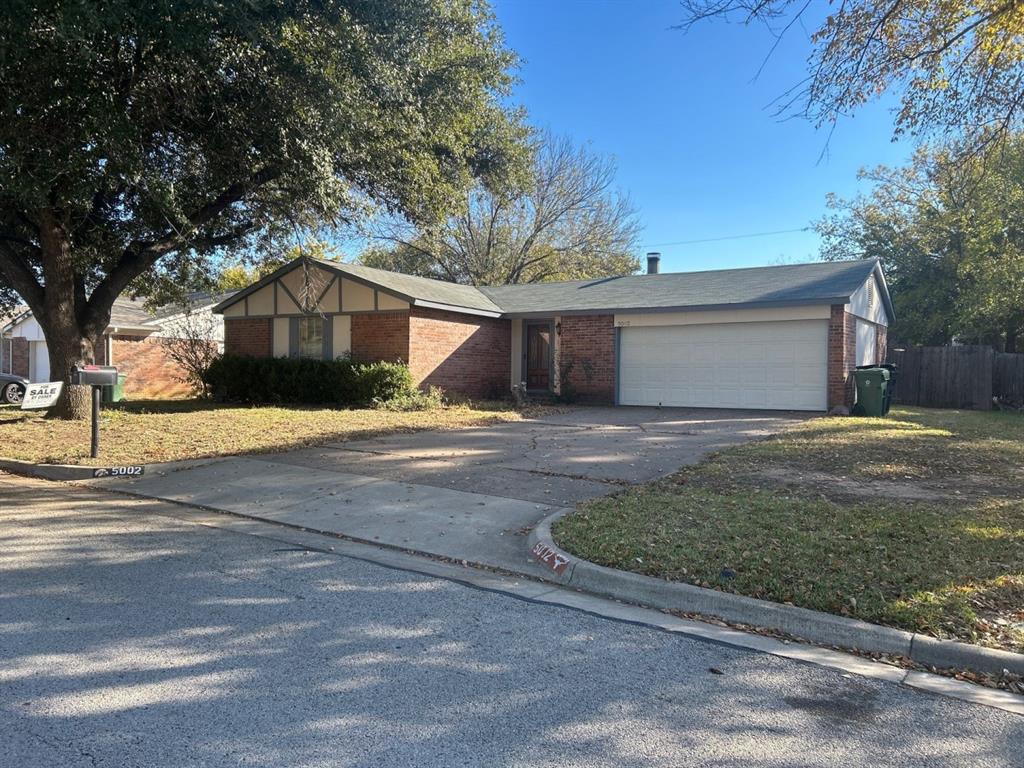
point(872, 391)
point(115, 394)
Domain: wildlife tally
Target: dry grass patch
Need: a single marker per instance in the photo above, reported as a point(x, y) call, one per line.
point(146, 432)
point(915, 522)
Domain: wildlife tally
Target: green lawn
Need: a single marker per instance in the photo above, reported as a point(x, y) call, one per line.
point(150, 431)
point(916, 521)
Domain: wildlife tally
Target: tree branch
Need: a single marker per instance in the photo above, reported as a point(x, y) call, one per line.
point(16, 270)
point(139, 257)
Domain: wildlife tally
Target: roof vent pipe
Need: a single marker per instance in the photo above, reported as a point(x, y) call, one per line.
point(653, 260)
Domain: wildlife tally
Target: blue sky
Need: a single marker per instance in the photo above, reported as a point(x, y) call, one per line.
point(697, 149)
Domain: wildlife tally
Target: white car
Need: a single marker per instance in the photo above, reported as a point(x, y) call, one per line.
point(12, 388)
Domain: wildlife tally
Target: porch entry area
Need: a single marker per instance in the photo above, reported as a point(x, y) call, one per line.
point(538, 354)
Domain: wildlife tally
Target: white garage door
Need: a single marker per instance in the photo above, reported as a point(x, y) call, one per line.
point(776, 365)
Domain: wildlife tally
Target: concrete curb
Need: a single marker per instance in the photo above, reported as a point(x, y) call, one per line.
point(46, 471)
point(815, 626)
point(77, 472)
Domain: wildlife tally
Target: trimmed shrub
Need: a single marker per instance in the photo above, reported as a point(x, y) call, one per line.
point(275, 380)
point(381, 382)
point(416, 400)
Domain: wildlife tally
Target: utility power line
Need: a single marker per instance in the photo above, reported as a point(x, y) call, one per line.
point(728, 237)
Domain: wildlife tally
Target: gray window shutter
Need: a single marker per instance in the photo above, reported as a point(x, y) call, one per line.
point(293, 337)
point(328, 338)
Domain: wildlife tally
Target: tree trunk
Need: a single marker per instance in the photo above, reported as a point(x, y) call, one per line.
point(68, 343)
point(67, 349)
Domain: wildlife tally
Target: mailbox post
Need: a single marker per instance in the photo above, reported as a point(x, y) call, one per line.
point(97, 377)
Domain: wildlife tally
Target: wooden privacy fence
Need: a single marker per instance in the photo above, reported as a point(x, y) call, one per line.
point(957, 377)
point(1008, 378)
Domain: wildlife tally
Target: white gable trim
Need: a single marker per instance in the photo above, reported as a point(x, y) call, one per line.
point(868, 302)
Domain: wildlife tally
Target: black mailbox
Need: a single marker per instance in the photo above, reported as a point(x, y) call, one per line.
point(94, 375)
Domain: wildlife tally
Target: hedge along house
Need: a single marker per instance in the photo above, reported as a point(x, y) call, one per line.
point(782, 337)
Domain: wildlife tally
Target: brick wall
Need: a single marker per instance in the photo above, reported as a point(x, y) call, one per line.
point(18, 363)
point(881, 343)
point(151, 372)
point(460, 353)
point(588, 343)
point(381, 336)
point(842, 356)
point(247, 336)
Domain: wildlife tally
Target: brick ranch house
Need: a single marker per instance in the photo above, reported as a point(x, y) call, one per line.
point(783, 337)
point(133, 341)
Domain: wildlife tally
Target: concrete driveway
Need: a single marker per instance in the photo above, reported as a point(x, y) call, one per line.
point(469, 494)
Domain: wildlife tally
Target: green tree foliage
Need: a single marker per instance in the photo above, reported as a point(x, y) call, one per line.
point(244, 272)
point(958, 66)
point(569, 223)
point(138, 140)
point(949, 230)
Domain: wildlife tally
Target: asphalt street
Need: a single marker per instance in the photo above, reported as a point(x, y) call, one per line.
point(130, 637)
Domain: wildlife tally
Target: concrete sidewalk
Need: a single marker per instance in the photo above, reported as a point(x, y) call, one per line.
point(470, 494)
point(476, 527)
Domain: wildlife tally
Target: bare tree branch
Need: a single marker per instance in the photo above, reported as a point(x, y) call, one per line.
point(571, 223)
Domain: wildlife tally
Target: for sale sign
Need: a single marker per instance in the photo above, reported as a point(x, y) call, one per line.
point(41, 395)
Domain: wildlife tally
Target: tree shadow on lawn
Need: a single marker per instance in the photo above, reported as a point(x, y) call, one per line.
point(136, 639)
point(190, 405)
point(157, 431)
point(946, 567)
point(199, 405)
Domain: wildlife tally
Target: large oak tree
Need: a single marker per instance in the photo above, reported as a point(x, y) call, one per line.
point(139, 136)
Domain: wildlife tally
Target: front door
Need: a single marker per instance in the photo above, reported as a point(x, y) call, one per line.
point(538, 356)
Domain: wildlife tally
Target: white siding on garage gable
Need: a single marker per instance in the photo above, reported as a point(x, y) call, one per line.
point(867, 302)
point(867, 343)
point(773, 365)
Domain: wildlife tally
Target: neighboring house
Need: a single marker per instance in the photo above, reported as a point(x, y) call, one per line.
point(783, 337)
point(11, 355)
point(133, 341)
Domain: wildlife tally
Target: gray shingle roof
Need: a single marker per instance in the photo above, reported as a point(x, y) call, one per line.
point(423, 288)
point(194, 301)
point(818, 283)
point(753, 286)
point(129, 313)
